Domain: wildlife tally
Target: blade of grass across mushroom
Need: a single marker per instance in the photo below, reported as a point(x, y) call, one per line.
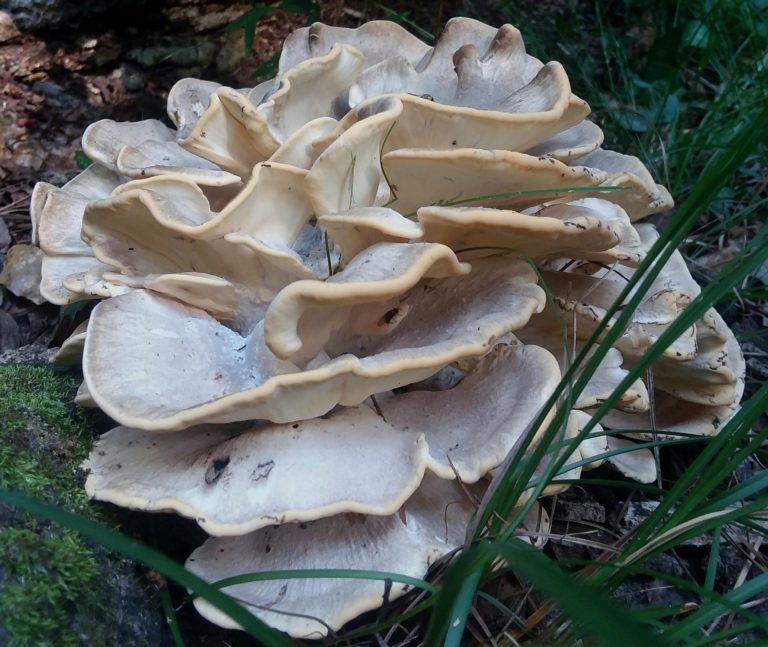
point(750, 258)
point(305, 605)
point(510, 485)
point(434, 177)
point(309, 608)
point(643, 196)
point(571, 231)
point(348, 173)
point(228, 377)
point(154, 559)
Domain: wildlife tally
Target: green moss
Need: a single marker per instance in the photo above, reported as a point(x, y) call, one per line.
point(49, 575)
point(42, 438)
point(50, 591)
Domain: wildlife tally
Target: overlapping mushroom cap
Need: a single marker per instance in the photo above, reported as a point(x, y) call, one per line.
point(323, 288)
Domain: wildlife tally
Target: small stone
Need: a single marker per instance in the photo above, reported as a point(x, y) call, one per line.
point(8, 29)
point(5, 236)
point(22, 272)
point(10, 337)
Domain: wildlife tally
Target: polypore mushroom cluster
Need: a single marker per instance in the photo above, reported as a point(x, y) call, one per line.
point(319, 321)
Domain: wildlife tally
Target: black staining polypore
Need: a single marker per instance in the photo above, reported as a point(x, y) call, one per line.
point(216, 469)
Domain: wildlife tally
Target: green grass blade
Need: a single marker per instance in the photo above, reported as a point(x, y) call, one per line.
point(324, 573)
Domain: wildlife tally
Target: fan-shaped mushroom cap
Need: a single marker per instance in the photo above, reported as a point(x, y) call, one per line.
point(482, 231)
point(103, 140)
point(71, 351)
point(544, 331)
point(234, 480)
point(467, 441)
point(83, 397)
point(57, 218)
point(641, 196)
point(346, 541)
point(570, 144)
point(227, 377)
point(493, 178)
point(151, 158)
point(712, 377)
point(432, 523)
point(376, 40)
point(236, 134)
point(631, 247)
point(674, 417)
point(302, 148)
point(187, 101)
point(595, 445)
point(304, 315)
point(637, 463)
point(348, 173)
point(357, 229)
point(476, 88)
point(589, 297)
point(164, 225)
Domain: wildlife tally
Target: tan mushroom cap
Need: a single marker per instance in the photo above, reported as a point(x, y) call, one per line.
point(227, 377)
point(377, 40)
point(544, 331)
point(234, 480)
point(83, 397)
point(471, 427)
point(421, 177)
point(57, 217)
point(71, 351)
point(37, 201)
point(188, 100)
point(151, 158)
point(642, 196)
point(480, 231)
point(305, 314)
point(302, 148)
point(595, 445)
point(570, 144)
point(431, 524)
point(348, 173)
point(589, 298)
point(632, 246)
point(272, 205)
point(712, 377)
point(103, 140)
point(346, 541)
point(63, 279)
point(673, 416)
point(236, 134)
point(220, 135)
point(477, 88)
point(357, 229)
point(164, 225)
point(637, 463)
